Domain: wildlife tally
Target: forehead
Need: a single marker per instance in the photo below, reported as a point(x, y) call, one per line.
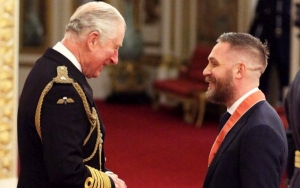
point(220, 48)
point(221, 52)
point(117, 39)
point(120, 35)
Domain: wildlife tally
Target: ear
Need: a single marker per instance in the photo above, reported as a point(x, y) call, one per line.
point(92, 40)
point(240, 70)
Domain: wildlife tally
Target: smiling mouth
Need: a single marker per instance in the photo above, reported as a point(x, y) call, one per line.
point(210, 82)
point(209, 87)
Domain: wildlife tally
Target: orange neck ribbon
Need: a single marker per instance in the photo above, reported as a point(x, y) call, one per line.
point(250, 101)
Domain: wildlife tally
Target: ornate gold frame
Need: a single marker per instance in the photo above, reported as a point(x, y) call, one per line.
point(8, 88)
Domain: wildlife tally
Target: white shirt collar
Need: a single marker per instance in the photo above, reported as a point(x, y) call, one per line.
point(240, 100)
point(64, 51)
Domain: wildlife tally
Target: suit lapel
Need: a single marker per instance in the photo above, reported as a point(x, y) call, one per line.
point(227, 141)
point(229, 138)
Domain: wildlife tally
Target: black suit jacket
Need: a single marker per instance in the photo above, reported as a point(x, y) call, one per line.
point(253, 153)
point(57, 160)
point(292, 110)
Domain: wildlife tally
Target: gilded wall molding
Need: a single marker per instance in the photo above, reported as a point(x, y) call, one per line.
point(8, 87)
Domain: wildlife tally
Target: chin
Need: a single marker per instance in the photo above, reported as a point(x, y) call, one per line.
point(210, 93)
point(96, 75)
point(209, 89)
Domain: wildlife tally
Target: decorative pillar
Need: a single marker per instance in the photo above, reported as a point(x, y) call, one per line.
point(166, 31)
point(59, 16)
point(245, 14)
point(193, 26)
point(166, 48)
point(179, 34)
point(178, 31)
point(295, 33)
point(9, 49)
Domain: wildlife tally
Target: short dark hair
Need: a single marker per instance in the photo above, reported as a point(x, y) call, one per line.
point(248, 44)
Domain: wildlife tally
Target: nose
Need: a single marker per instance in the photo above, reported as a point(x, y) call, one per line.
point(114, 59)
point(206, 70)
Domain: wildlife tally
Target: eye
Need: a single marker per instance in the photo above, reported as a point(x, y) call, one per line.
point(214, 64)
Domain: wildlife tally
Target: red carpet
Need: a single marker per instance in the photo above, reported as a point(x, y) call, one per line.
point(151, 149)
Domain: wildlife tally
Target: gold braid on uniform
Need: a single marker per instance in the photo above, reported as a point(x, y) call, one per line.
point(297, 159)
point(98, 179)
point(63, 78)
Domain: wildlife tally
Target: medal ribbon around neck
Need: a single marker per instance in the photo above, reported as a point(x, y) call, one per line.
point(250, 101)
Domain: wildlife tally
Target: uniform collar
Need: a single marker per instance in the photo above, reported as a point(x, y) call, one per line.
point(64, 51)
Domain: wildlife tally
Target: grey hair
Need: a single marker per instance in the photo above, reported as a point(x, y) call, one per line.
point(96, 16)
point(248, 44)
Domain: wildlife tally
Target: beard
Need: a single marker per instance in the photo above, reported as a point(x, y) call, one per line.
point(223, 90)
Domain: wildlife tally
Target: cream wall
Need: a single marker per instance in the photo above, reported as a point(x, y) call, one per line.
point(61, 11)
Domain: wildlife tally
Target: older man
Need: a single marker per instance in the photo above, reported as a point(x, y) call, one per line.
point(60, 132)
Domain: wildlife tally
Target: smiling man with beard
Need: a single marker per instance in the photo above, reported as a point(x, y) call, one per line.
point(251, 148)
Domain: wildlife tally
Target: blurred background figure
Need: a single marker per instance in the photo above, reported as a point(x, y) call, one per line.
point(272, 24)
point(292, 110)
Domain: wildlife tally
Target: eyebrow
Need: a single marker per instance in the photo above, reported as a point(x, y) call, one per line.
point(213, 59)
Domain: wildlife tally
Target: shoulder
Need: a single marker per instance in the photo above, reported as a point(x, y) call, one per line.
point(263, 113)
point(264, 116)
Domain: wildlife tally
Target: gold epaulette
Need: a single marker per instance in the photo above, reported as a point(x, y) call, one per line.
point(98, 180)
point(63, 78)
